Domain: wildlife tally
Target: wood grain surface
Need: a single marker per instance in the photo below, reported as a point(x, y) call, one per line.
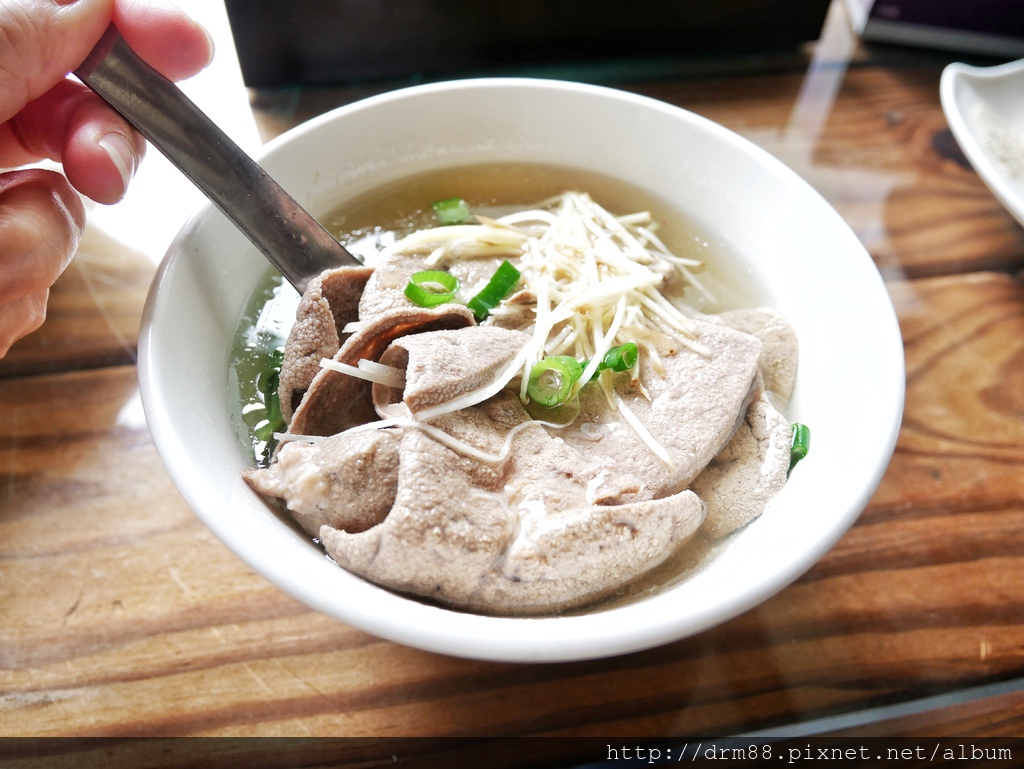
point(93, 313)
point(121, 615)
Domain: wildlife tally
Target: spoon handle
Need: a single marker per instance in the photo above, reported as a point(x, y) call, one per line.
point(292, 239)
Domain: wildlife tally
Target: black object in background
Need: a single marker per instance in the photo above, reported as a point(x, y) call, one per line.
point(309, 42)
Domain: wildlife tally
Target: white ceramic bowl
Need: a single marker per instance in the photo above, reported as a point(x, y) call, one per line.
point(849, 390)
point(985, 110)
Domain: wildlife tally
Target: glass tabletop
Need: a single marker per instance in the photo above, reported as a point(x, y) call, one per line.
point(122, 616)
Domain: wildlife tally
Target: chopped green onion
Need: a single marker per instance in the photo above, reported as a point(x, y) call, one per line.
point(274, 414)
point(430, 288)
point(262, 429)
point(498, 287)
point(267, 384)
point(801, 443)
point(451, 210)
point(267, 381)
point(553, 379)
point(621, 358)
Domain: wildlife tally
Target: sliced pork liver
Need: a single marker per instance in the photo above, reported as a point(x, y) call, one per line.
point(566, 515)
point(464, 533)
point(779, 346)
point(440, 366)
point(331, 301)
point(336, 401)
point(740, 482)
point(347, 481)
point(692, 411)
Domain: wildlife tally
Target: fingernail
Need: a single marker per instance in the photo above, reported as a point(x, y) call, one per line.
point(213, 46)
point(121, 154)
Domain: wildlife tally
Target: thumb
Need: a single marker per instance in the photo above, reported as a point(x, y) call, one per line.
point(43, 41)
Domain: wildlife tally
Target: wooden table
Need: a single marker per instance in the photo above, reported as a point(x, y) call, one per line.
point(121, 615)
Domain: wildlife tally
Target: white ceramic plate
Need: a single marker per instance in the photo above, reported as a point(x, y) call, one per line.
point(849, 390)
point(985, 110)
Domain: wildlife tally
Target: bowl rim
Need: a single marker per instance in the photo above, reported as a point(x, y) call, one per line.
point(521, 639)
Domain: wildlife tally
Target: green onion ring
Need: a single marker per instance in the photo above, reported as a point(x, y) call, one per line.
point(498, 287)
point(621, 358)
point(451, 210)
point(553, 379)
point(430, 288)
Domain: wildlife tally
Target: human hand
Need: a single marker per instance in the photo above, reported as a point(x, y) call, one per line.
point(44, 115)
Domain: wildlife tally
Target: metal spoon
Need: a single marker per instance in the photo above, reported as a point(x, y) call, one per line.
point(292, 239)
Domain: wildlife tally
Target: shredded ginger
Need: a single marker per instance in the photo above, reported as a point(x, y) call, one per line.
point(590, 274)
